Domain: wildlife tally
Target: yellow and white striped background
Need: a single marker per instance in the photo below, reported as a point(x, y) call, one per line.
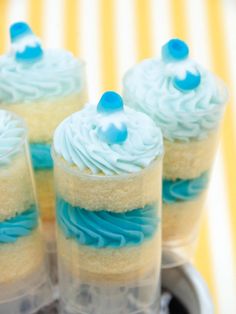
point(112, 35)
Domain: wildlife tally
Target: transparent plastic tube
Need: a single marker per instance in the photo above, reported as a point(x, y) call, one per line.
point(188, 106)
point(109, 240)
point(59, 108)
point(42, 117)
point(186, 174)
point(24, 283)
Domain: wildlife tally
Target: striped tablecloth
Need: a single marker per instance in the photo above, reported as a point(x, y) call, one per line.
point(112, 35)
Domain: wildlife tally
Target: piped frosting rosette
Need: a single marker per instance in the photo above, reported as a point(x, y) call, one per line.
point(110, 143)
point(184, 99)
point(56, 74)
point(15, 179)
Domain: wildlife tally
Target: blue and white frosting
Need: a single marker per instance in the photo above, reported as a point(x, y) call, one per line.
point(109, 143)
point(57, 74)
point(105, 229)
point(184, 190)
point(19, 226)
point(29, 74)
point(12, 134)
point(185, 100)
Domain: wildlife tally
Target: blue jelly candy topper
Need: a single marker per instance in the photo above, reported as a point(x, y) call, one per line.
point(27, 46)
point(176, 50)
point(19, 30)
point(110, 102)
point(113, 129)
point(190, 82)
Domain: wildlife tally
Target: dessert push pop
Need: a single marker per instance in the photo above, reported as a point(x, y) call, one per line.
point(24, 284)
point(42, 86)
point(108, 168)
point(187, 102)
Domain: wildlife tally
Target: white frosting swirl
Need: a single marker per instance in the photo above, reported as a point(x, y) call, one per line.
point(12, 133)
point(183, 116)
point(57, 74)
point(76, 140)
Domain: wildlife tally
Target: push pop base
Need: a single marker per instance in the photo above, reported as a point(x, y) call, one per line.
point(20, 302)
point(184, 291)
point(137, 298)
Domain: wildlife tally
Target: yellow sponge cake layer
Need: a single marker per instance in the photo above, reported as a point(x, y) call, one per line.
point(42, 117)
point(21, 258)
point(16, 187)
point(181, 219)
point(188, 160)
point(114, 193)
point(117, 265)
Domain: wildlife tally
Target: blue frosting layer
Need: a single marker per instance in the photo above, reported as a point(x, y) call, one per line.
point(41, 156)
point(103, 229)
point(183, 190)
point(19, 226)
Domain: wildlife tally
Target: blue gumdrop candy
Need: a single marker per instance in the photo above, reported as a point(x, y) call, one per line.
point(190, 82)
point(29, 54)
point(110, 102)
point(113, 135)
point(175, 50)
point(18, 30)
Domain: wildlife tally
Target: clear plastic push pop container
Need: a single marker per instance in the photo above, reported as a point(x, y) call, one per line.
point(108, 170)
point(43, 86)
point(187, 102)
point(185, 181)
point(24, 284)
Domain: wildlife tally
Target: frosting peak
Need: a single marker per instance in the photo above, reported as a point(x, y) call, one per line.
point(57, 74)
point(29, 74)
point(77, 139)
point(12, 133)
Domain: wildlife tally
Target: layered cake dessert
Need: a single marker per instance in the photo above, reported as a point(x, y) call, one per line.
point(187, 102)
point(22, 260)
point(108, 167)
point(42, 86)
